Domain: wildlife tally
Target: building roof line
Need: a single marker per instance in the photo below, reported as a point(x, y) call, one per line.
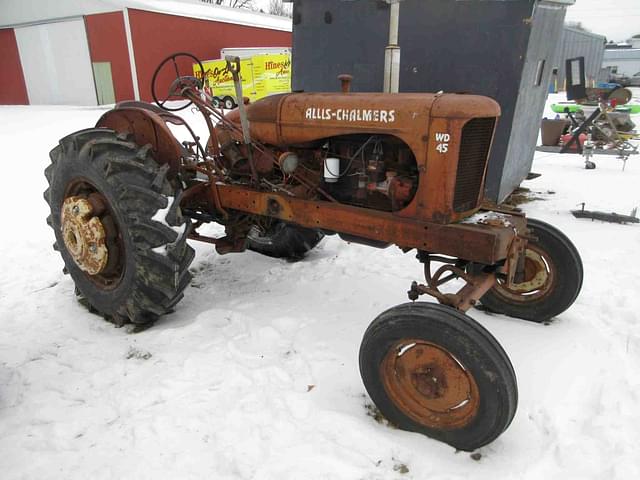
point(204, 11)
point(63, 10)
point(582, 32)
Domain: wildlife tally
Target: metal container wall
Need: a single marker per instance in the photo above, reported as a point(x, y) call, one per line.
point(485, 47)
point(535, 76)
point(576, 43)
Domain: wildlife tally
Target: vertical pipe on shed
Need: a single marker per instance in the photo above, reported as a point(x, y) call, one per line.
point(394, 23)
point(392, 52)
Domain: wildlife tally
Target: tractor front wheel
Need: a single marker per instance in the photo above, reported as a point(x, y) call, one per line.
point(552, 278)
point(118, 226)
point(433, 370)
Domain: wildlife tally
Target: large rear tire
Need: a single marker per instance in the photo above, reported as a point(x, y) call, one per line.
point(118, 226)
point(433, 370)
point(553, 278)
point(283, 240)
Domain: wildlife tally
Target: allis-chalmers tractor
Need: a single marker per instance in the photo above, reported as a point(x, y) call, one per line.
point(279, 174)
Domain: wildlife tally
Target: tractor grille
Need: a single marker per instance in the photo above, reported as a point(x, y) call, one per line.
point(474, 151)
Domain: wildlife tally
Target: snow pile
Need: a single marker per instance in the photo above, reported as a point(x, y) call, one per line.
point(161, 217)
point(255, 376)
point(488, 218)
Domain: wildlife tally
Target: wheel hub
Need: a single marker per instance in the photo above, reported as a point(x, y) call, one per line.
point(536, 273)
point(430, 381)
point(84, 235)
point(430, 385)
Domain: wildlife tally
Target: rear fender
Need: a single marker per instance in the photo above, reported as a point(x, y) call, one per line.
point(147, 127)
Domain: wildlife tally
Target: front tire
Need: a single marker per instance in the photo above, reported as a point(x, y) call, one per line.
point(118, 226)
point(433, 370)
point(553, 278)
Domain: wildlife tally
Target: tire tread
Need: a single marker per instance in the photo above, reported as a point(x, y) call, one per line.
point(139, 184)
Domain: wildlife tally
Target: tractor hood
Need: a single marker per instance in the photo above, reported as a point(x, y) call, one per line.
point(298, 118)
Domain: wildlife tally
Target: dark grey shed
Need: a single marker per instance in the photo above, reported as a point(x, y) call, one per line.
point(500, 48)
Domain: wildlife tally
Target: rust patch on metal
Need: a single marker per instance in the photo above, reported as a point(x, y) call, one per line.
point(84, 235)
point(300, 118)
point(147, 127)
point(429, 385)
point(485, 244)
point(469, 295)
point(538, 277)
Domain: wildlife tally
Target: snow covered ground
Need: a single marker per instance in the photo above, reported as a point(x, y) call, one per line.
point(255, 376)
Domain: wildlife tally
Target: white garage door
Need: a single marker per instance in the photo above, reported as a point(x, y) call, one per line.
point(56, 63)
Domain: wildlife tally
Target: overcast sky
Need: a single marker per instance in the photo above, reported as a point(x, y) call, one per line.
point(615, 19)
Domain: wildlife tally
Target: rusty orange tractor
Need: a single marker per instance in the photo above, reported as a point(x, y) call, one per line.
point(379, 169)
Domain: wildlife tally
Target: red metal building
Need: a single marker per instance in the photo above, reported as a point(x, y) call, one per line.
point(102, 51)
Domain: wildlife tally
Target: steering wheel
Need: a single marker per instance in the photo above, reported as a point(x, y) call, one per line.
point(179, 84)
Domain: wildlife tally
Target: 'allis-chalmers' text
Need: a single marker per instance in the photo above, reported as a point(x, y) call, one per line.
point(351, 115)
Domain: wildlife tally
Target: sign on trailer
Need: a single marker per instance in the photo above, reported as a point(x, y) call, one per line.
point(261, 75)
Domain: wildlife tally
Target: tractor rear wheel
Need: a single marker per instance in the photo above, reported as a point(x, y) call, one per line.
point(282, 240)
point(118, 226)
point(433, 370)
point(552, 278)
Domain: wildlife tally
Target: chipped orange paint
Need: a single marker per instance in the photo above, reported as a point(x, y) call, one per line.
point(415, 118)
